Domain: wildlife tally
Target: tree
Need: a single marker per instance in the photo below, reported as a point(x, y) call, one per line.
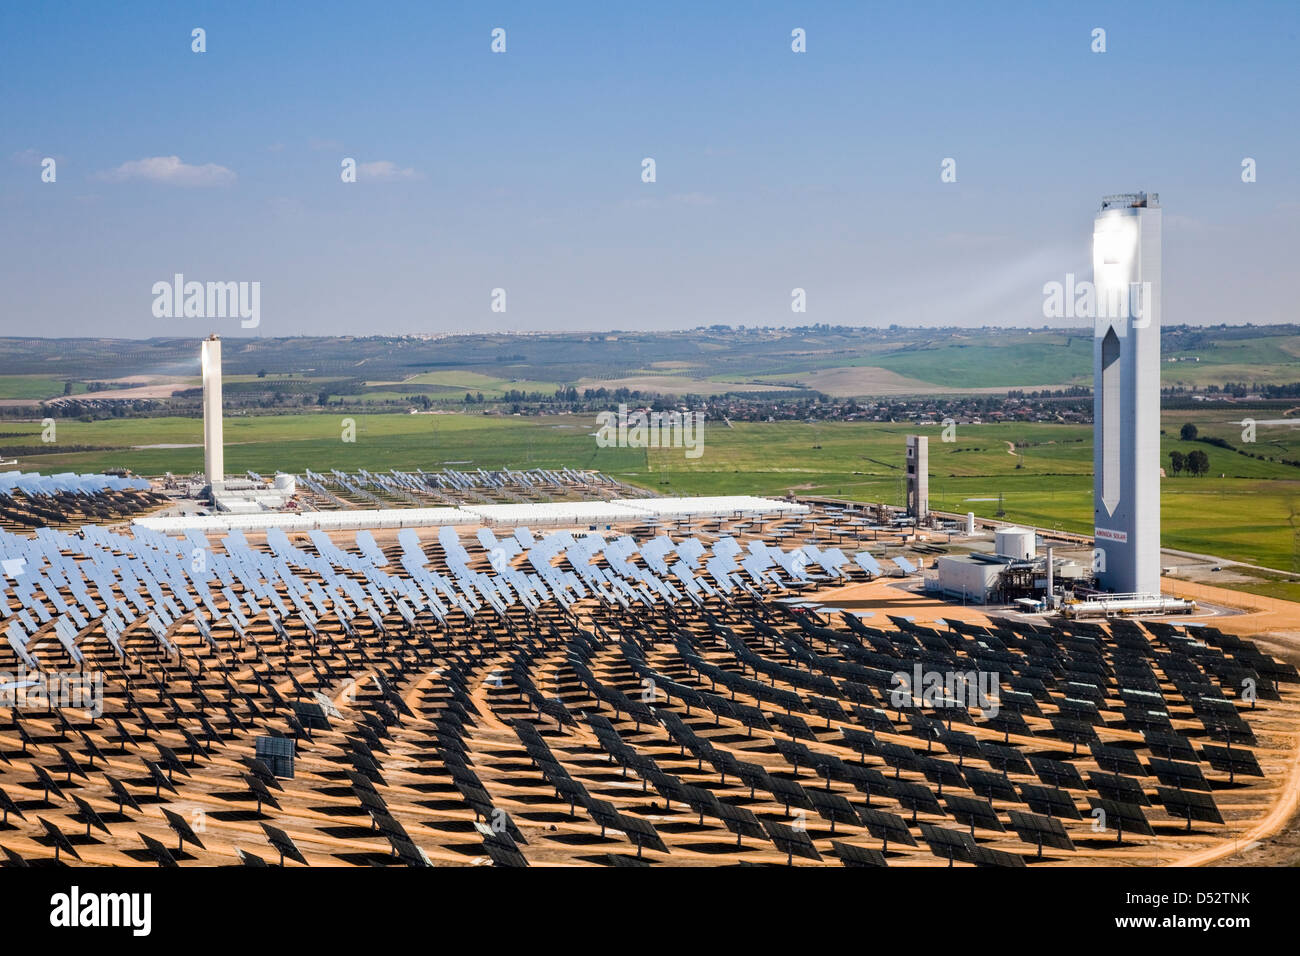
point(1198, 462)
point(1188, 432)
point(1178, 461)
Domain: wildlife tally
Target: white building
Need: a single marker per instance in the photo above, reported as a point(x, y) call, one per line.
point(972, 578)
point(1126, 393)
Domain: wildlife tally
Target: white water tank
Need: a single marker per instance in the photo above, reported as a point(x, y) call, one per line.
point(970, 522)
point(1016, 543)
point(287, 484)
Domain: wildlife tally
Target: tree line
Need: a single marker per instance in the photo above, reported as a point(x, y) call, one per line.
point(1195, 463)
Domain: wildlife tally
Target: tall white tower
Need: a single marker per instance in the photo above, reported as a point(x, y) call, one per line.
point(214, 466)
point(1126, 393)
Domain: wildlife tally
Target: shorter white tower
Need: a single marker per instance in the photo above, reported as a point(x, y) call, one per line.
point(918, 477)
point(214, 466)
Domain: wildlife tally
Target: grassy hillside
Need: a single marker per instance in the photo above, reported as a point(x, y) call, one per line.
point(873, 361)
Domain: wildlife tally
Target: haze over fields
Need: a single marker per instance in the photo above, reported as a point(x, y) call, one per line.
point(839, 362)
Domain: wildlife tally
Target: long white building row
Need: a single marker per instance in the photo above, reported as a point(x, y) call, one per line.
point(540, 514)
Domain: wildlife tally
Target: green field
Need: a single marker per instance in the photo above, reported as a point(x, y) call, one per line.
point(292, 442)
point(1270, 359)
point(35, 386)
point(1246, 516)
point(1056, 360)
point(908, 360)
point(490, 385)
point(1251, 514)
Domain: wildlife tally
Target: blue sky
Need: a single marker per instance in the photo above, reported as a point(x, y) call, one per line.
point(522, 170)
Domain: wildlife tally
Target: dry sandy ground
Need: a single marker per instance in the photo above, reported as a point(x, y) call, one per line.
point(1271, 824)
point(133, 386)
point(1275, 626)
point(1266, 619)
point(131, 392)
point(147, 380)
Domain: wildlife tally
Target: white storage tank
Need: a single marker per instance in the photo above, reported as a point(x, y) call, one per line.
point(1015, 543)
point(286, 483)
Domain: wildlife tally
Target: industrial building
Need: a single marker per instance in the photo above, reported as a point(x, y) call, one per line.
point(1013, 571)
point(249, 496)
point(1126, 258)
point(1126, 393)
point(971, 578)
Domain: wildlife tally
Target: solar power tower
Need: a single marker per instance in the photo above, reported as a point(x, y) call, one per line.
point(1126, 393)
point(918, 477)
point(214, 464)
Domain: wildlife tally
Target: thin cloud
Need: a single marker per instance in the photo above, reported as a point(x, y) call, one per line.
point(384, 170)
point(676, 199)
point(28, 157)
point(170, 170)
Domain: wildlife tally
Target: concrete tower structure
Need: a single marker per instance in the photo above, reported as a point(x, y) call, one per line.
point(918, 477)
point(1126, 393)
point(214, 466)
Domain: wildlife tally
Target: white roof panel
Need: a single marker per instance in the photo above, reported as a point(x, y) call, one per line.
point(313, 520)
